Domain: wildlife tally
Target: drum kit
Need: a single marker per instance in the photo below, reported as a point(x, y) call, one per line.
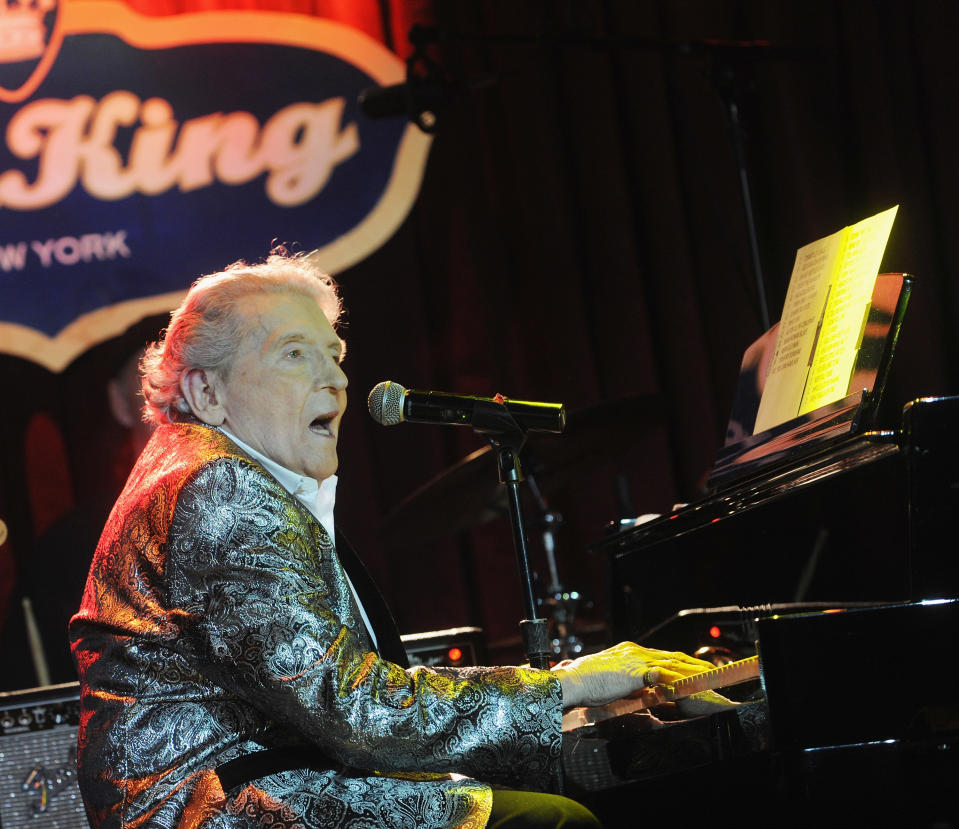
point(469, 493)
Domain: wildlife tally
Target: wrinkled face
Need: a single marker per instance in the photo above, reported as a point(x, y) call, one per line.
point(285, 392)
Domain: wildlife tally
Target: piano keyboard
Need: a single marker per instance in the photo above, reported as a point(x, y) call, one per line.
point(721, 677)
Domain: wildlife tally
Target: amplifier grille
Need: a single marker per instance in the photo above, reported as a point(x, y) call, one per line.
point(38, 761)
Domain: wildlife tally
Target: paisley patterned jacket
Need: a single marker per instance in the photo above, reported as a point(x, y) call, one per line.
point(217, 622)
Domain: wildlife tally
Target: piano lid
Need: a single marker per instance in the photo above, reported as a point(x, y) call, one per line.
point(746, 454)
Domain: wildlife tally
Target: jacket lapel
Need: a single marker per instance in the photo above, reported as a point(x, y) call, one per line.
point(389, 645)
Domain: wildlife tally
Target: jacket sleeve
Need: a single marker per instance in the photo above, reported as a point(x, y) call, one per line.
point(268, 616)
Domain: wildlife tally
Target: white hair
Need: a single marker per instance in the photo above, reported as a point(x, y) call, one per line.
point(206, 330)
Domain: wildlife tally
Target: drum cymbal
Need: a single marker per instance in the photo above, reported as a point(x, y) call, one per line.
point(469, 492)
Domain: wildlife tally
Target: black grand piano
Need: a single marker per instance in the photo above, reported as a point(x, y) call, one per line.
point(826, 544)
point(826, 507)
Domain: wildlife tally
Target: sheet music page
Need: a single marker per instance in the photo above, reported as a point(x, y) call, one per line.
point(821, 327)
point(802, 312)
point(846, 311)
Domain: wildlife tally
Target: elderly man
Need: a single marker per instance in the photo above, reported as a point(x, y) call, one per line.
point(230, 672)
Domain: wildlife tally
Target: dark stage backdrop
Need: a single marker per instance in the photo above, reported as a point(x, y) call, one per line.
point(579, 237)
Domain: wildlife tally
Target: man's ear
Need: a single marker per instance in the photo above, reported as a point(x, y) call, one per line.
point(199, 390)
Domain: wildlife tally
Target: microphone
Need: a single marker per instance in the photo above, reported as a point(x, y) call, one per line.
point(386, 101)
point(390, 403)
point(409, 99)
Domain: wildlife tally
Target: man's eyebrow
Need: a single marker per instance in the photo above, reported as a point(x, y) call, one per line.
point(287, 337)
point(283, 339)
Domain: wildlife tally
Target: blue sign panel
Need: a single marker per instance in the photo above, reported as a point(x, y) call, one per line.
point(154, 150)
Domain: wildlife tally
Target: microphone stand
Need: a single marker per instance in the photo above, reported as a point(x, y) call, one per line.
point(507, 438)
point(726, 76)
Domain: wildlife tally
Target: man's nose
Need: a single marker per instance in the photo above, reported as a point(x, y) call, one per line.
point(331, 375)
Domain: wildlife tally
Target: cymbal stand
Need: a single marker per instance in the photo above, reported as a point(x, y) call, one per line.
point(561, 602)
point(507, 438)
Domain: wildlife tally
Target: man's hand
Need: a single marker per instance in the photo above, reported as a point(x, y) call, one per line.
point(704, 702)
point(621, 671)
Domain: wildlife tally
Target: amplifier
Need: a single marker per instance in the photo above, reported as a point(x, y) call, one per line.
point(451, 648)
point(38, 759)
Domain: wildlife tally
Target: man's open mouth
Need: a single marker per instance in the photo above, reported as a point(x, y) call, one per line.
point(323, 425)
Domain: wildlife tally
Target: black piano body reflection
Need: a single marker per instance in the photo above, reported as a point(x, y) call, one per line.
point(868, 518)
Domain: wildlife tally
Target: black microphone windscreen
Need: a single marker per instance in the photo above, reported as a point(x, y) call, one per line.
point(385, 101)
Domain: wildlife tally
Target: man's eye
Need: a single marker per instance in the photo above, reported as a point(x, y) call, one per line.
point(294, 353)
